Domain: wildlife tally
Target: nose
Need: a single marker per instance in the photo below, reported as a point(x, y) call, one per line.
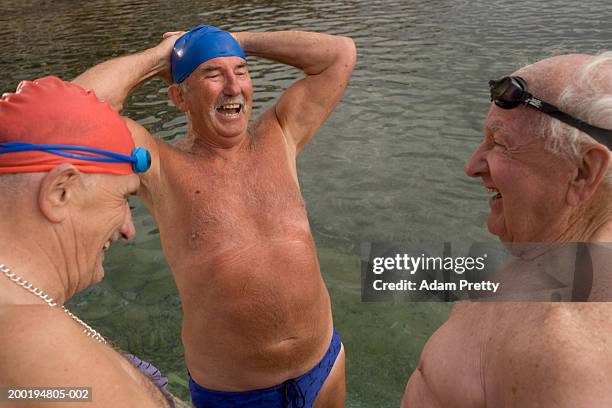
point(127, 230)
point(477, 163)
point(232, 86)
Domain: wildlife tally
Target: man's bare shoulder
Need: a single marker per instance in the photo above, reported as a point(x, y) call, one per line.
point(36, 339)
point(22, 321)
point(268, 127)
point(143, 138)
point(558, 327)
point(43, 347)
point(556, 354)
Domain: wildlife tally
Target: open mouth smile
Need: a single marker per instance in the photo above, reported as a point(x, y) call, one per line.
point(494, 190)
point(230, 109)
point(108, 243)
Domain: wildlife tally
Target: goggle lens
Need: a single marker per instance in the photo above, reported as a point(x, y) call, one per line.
point(508, 92)
point(511, 91)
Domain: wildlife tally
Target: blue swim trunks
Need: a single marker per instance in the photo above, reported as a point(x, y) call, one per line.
point(300, 392)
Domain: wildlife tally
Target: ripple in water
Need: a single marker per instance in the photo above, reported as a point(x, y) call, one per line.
point(387, 165)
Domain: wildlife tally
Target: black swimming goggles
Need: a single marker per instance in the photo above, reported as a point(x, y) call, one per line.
point(511, 91)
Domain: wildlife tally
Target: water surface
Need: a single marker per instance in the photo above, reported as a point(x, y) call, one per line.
point(387, 165)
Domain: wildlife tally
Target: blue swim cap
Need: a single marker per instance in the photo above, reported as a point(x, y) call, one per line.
point(199, 45)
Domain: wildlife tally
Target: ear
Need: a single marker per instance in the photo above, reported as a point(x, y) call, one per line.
point(592, 168)
point(175, 92)
point(57, 189)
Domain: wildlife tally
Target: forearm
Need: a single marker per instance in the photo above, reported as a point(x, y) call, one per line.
point(310, 52)
point(115, 79)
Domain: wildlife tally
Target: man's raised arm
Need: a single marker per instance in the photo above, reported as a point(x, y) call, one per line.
point(327, 61)
point(115, 79)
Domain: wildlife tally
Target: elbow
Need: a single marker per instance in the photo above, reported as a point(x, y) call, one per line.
point(348, 52)
point(115, 104)
point(117, 107)
point(343, 58)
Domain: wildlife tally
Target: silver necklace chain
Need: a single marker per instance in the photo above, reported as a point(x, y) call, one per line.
point(19, 281)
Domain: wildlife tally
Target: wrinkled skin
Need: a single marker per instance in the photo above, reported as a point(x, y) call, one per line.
point(508, 354)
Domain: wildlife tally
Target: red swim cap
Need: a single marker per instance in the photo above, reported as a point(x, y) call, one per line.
point(51, 111)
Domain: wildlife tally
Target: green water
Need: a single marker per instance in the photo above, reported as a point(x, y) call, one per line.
point(387, 165)
point(138, 308)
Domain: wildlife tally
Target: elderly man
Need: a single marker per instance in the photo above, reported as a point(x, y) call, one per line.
point(542, 158)
point(67, 164)
point(257, 326)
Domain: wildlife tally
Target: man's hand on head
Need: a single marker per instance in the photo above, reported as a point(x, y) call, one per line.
point(164, 49)
point(237, 38)
point(114, 80)
point(172, 33)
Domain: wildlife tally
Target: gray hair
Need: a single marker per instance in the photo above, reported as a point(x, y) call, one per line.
point(15, 185)
point(587, 97)
point(12, 184)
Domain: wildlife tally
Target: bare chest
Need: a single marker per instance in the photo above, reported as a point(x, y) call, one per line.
point(216, 203)
point(452, 363)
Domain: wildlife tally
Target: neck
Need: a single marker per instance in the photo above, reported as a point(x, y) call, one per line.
point(31, 257)
point(592, 222)
point(202, 136)
point(224, 147)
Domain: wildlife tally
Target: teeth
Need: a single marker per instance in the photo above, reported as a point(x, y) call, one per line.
point(107, 245)
point(494, 190)
point(231, 106)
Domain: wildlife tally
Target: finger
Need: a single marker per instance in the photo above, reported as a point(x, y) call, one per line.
point(171, 33)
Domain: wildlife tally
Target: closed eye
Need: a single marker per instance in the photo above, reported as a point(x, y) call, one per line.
point(130, 205)
point(495, 140)
point(241, 70)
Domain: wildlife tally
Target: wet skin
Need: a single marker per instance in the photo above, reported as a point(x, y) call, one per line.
point(510, 354)
point(236, 236)
point(232, 221)
point(235, 232)
point(62, 253)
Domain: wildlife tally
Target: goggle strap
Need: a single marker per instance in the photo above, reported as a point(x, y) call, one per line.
point(603, 136)
point(140, 158)
point(87, 157)
point(60, 150)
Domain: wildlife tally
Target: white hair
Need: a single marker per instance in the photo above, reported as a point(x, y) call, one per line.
point(589, 98)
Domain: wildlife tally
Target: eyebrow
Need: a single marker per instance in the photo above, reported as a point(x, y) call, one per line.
point(495, 126)
point(211, 68)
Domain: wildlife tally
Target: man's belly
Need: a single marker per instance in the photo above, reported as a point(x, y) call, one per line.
point(254, 315)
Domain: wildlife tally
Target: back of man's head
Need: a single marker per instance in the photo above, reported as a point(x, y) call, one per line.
point(49, 125)
point(51, 111)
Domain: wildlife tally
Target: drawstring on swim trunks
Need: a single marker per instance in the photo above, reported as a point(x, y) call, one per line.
point(293, 396)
